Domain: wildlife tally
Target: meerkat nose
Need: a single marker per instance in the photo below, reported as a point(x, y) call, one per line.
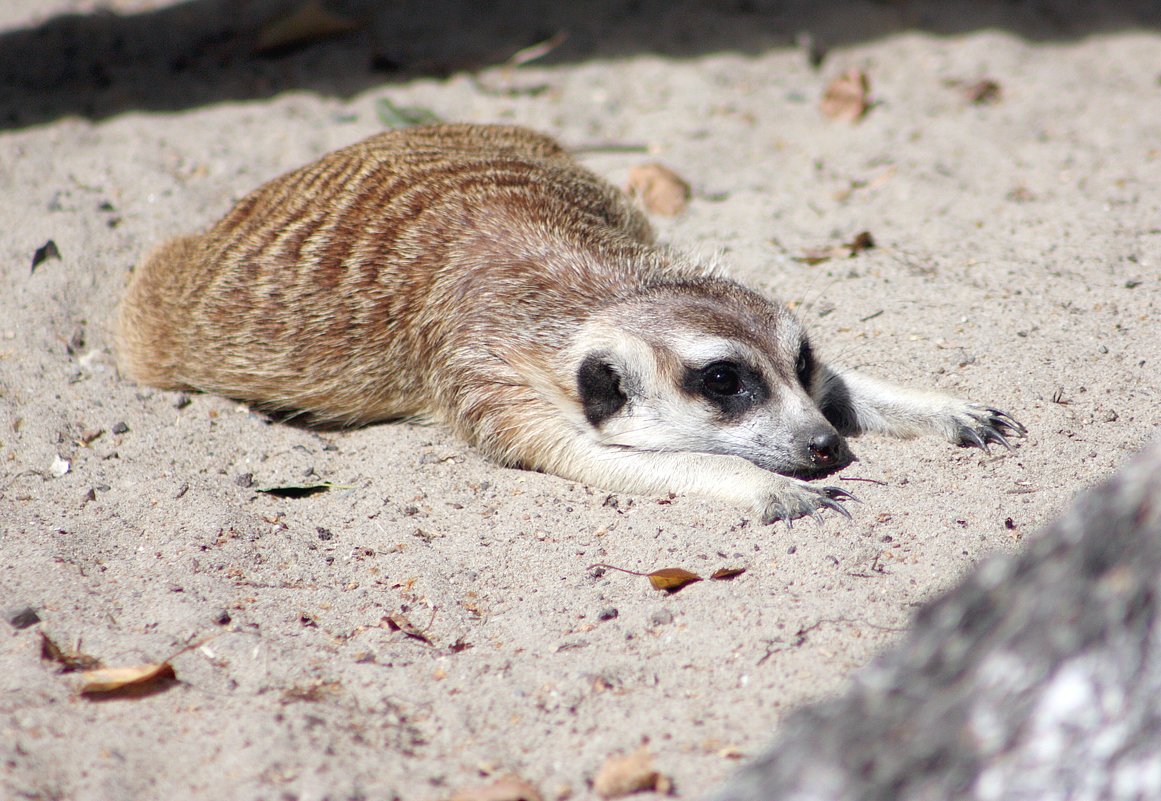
point(826, 448)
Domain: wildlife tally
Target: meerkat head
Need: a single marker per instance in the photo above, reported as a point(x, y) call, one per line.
point(706, 366)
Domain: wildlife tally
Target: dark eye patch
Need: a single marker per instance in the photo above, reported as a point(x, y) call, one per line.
point(599, 388)
point(733, 387)
point(804, 365)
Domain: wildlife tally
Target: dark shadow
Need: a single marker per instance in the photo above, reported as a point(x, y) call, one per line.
point(203, 51)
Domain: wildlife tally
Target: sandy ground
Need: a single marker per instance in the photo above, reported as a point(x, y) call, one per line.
point(1017, 263)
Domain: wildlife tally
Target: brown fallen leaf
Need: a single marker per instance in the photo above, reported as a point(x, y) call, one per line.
point(308, 24)
point(862, 241)
point(984, 92)
point(127, 681)
point(312, 693)
point(135, 681)
point(660, 189)
point(670, 579)
point(397, 621)
point(509, 787)
point(69, 661)
point(623, 775)
point(727, 573)
point(847, 97)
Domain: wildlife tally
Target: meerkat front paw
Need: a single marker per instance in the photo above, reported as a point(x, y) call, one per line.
point(976, 426)
point(799, 499)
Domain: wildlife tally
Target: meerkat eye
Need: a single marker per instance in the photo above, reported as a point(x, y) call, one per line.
point(804, 366)
point(734, 387)
point(721, 379)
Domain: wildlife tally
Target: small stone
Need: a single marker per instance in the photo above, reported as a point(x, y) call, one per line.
point(244, 480)
point(222, 618)
point(22, 617)
point(661, 617)
point(608, 613)
point(59, 467)
point(120, 428)
point(324, 534)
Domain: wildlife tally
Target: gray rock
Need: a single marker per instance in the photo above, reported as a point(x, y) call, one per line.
point(1037, 678)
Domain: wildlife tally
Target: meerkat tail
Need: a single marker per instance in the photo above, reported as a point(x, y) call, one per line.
point(148, 328)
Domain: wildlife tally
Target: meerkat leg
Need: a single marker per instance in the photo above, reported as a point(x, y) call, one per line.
point(770, 496)
point(855, 404)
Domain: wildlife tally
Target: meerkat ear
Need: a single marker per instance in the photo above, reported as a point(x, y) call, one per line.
point(600, 388)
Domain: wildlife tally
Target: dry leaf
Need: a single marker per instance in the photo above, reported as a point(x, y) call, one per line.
point(661, 190)
point(847, 97)
point(862, 241)
point(309, 24)
point(983, 92)
point(727, 573)
point(622, 775)
point(136, 680)
point(69, 661)
point(397, 621)
point(47, 251)
point(672, 579)
point(506, 788)
point(313, 693)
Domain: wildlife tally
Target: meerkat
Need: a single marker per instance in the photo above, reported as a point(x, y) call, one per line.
point(478, 276)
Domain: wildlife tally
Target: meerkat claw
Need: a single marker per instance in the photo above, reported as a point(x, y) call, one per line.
point(840, 494)
point(830, 503)
point(967, 436)
point(993, 435)
point(1002, 419)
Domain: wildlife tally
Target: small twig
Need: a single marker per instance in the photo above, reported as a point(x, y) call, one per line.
point(609, 147)
point(538, 50)
point(622, 569)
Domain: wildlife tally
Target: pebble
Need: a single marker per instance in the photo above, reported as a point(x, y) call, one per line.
point(22, 617)
point(661, 617)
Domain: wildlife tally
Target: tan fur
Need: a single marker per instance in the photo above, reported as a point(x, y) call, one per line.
point(467, 274)
point(365, 286)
